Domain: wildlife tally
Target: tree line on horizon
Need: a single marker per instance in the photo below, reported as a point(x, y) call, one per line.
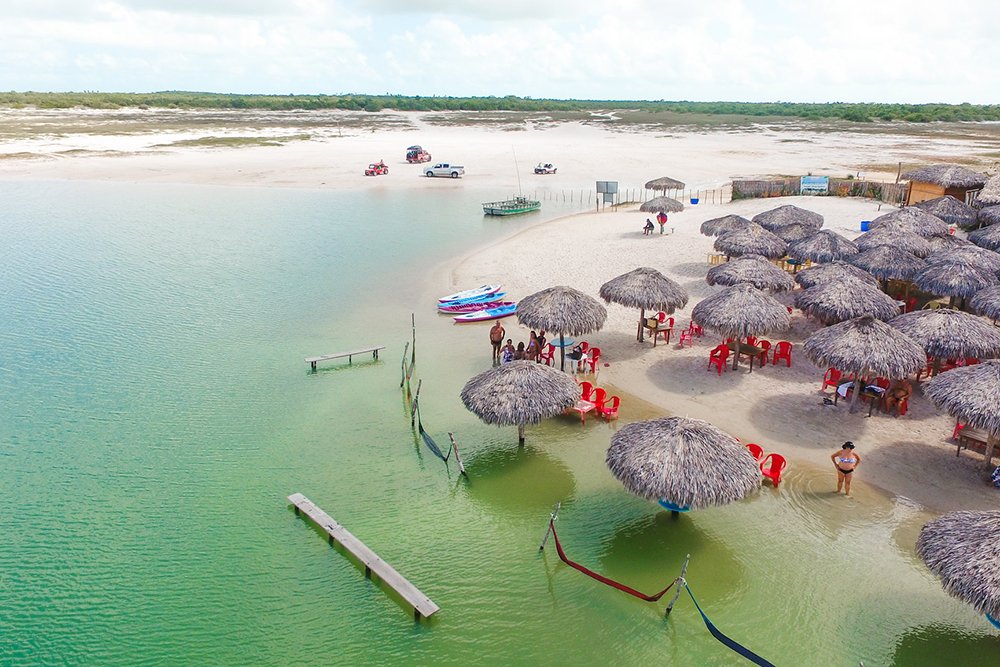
point(856, 112)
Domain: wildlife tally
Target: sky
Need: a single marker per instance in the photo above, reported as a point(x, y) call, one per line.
point(909, 51)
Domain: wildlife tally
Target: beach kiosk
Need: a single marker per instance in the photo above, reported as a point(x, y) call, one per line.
point(939, 180)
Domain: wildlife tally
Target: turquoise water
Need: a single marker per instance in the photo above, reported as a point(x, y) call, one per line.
point(157, 412)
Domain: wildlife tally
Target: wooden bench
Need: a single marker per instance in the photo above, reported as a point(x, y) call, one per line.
point(422, 605)
point(312, 361)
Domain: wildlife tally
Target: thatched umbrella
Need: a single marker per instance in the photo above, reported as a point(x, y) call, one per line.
point(889, 263)
point(947, 176)
point(794, 232)
point(833, 271)
point(976, 257)
point(846, 299)
point(990, 194)
point(519, 393)
point(740, 311)
point(727, 223)
point(665, 204)
point(987, 302)
point(866, 347)
point(970, 394)
point(939, 243)
point(665, 183)
point(823, 246)
point(562, 310)
point(752, 269)
point(895, 237)
point(753, 240)
point(911, 219)
point(950, 210)
point(987, 237)
point(963, 550)
point(786, 215)
point(687, 462)
point(950, 334)
point(989, 216)
point(644, 288)
point(953, 279)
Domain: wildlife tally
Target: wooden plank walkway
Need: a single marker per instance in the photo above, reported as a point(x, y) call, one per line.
point(340, 355)
point(422, 605)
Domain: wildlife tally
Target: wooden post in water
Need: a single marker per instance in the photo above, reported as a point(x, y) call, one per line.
point(415, 405)
point(520, 434)
point(553, 515)
point(413, 350)
point(680, 582)
point(402, 379)
point(458, 457)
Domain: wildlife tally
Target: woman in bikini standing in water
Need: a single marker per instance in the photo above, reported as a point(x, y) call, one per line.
point(846, 462)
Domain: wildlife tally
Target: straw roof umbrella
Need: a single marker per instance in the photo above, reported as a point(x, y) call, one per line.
point(987, 237)
point(832, 271)
point(664, 183)
point(963, 550)
point(752, 269)
point(989, 216)
point(794, 232)
point(953, 279)
point(834, 302)
point(740, 311)
point(665, 204)
point(519, 393)
point(753, 240)
point(889, 263)
point(867, 347)
point(947, 176)
point(644, 288)
point(939, 243)
point(980, 258)
point(562, 310)
point(950, 334)
point(786, 215)
point(912, 219)
point(823, 246)
point(727, 223)
point(990, 194)
point(970, 394)
point(987, 302)
point(687, 462)
point(895, 237)
point(950, 210)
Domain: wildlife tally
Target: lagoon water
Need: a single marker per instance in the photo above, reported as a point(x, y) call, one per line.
point(156, 412)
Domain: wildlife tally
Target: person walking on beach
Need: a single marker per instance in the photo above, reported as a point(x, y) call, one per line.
point(661, 218)
point(846, 461)
point(497, 333)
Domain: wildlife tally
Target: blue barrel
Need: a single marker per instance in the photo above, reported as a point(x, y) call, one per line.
point(694, 200)
point(865, 224)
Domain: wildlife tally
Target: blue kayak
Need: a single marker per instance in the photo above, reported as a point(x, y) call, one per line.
point(482, 298)
point(488, 314)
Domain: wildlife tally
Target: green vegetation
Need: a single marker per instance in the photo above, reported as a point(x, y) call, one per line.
point(235, 142)
point(861, 113)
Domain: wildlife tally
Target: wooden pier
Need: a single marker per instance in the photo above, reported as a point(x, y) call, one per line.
point(312, 361)
point(422, 605)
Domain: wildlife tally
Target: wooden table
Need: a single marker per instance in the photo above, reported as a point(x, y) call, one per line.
point(969, 434)
point(658, 329)
point(751, 351)
point(583, 407)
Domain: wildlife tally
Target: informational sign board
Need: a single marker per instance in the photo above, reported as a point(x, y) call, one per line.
point(609, 187)
point(814, 185)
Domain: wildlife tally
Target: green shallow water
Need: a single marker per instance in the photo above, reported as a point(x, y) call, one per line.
point(156, 413)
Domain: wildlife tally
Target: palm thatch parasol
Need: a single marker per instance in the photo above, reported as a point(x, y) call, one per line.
point(895, 237)
point(794, 232)
point(947, 176)
point(969, 394)
point(740, 311)
point(727, 223)
point(889, 263)
point(976, 257)
point(950, 334)
point(987, 237)
point(519, 393)
point(911, 219)
point(963, 550)
point(867, 347)
point(752, 269)
point(753, 240)
point(687, 462)
point(835, 270)
point(939, 243)
point(664, 183)
point(665, 204)
point(990, 194)
point(953, 279)
point(987, 302)
point(562, 310)
point(644, 288)
point(823, 246)
point(989, 216)
point(846, 299)
point(786, 215)
point(950, 210)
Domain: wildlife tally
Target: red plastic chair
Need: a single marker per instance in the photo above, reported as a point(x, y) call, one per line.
point(765, 347)
point(718, 356)
point(663, 319)
point(911, 303)
point(756, 451)
point(958, 428)
point(595, 358)
point(587, 391)
point(610, 408)
point(750, 340)
point(600, 396)
point(772, 467)
point(831, 379)
point(782, 350)
point(696, 329)
point(686, 336)
point(547, 355)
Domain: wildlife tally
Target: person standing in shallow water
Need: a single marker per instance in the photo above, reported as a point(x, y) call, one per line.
point(846, 461)
point(497, 333)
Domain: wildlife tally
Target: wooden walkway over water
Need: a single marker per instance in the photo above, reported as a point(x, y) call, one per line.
point(312, 361)
point(422, 605)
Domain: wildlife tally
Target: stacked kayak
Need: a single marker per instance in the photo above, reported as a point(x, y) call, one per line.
point(487, 314)
point(462, 308)
point(480, 301)
point(476, 292)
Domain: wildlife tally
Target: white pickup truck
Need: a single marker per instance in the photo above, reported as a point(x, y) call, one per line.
point(444, 169)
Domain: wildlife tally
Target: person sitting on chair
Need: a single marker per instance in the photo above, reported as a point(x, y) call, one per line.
point(896, 396)
point(648, 229)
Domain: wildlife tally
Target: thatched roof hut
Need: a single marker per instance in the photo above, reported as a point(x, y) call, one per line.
point(844, 300)
point(989, 216)
point(787, 215)
point(519, 393)
point(941, 179)
point(665, 204)
point(956, 279)
point(687, 462)
point(987, 237)
point(990, 194)
point(969, 393)
point(911, 219)
point(664, 183)
point(950, 334)
point(740, 311)
point(950, 210)
point(963, 550)
point(980, 258)
point(939, 243)
point(900, 239)
point(987, 302)
point(824, 246)
point(889, 263)
point(753, 240)
point(727, 223)
point(752, 269)
point(835, 270)
point(794, 232)
point(644, 288)
point(562, 310)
